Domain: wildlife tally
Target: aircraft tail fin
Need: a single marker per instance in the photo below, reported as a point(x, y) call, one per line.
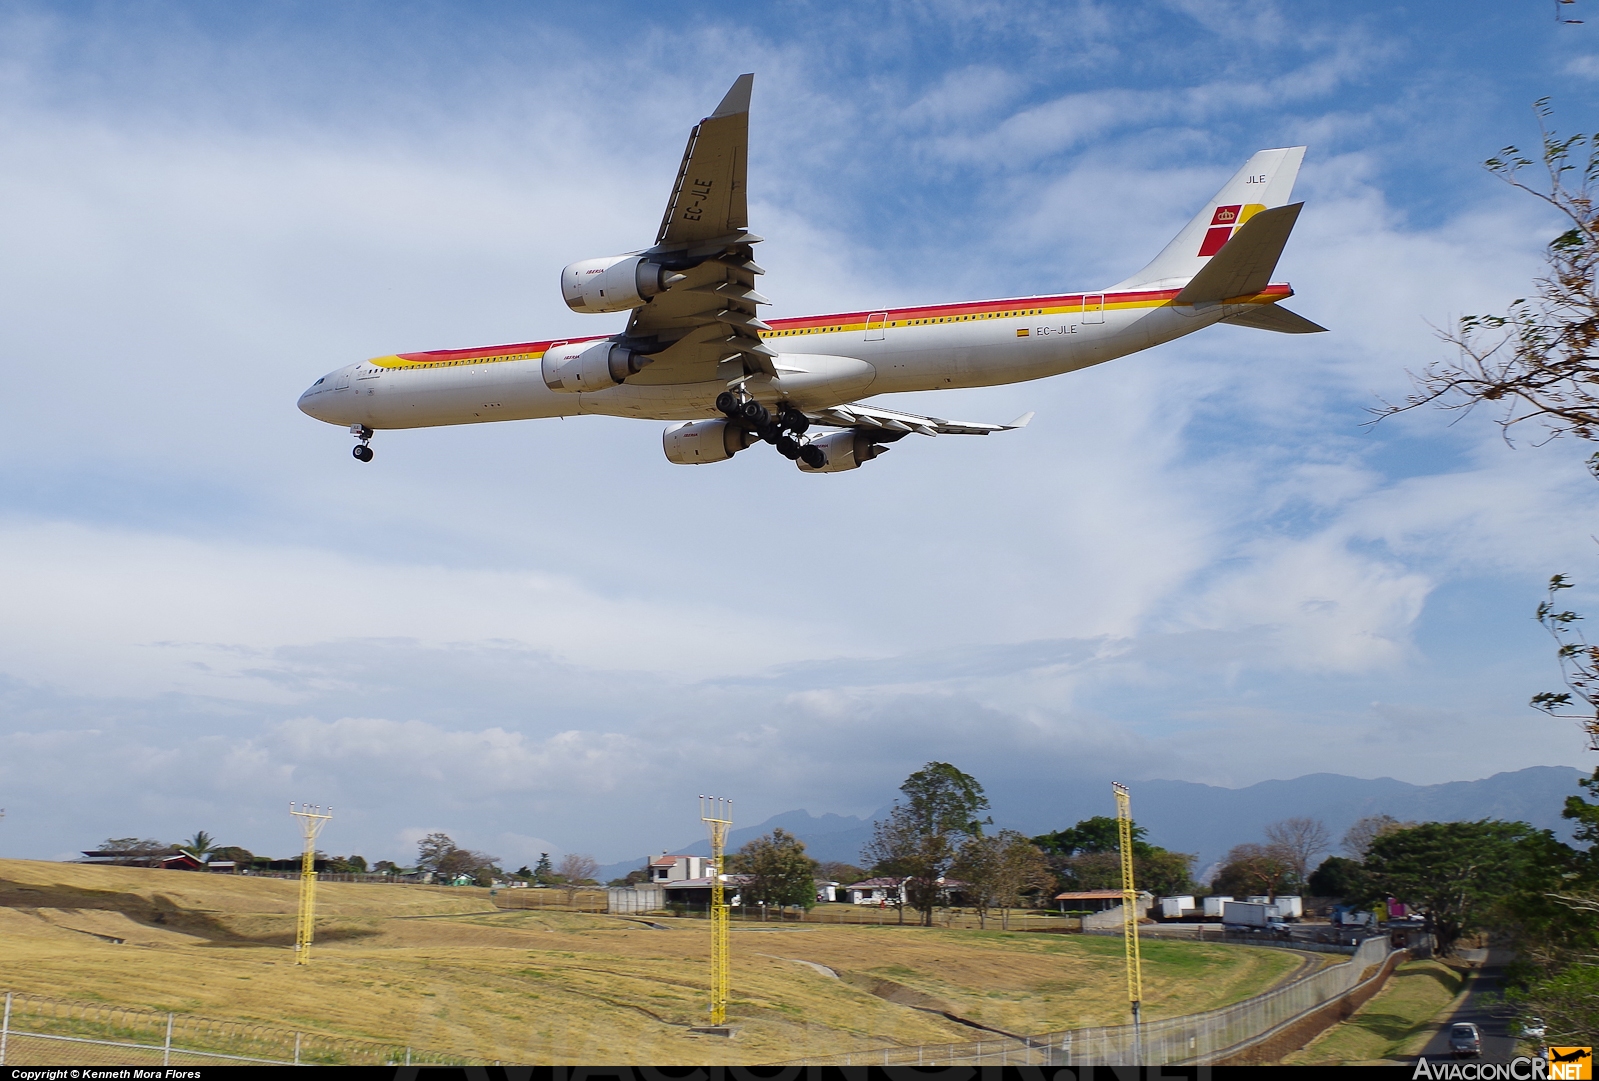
point(1266, 182)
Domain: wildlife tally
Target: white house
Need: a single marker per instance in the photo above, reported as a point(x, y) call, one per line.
point(669, 868)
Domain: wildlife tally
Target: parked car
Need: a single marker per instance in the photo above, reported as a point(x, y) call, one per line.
point(1464, 1040)
point(1532, 1028)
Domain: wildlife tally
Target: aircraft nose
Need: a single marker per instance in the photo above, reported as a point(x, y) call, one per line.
point(314, 397)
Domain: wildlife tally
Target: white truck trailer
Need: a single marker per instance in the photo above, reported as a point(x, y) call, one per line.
point(1253, 916)
point(1213, 907)
point(1174, 908)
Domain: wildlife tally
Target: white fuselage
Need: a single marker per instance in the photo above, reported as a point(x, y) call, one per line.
point(821, 362)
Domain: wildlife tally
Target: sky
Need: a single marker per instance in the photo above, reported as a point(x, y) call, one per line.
point(1202, 562)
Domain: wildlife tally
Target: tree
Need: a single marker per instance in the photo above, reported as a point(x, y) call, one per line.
point(1298, 840)
point(385, 867)
point(1579, 663)
point(233, 853)
point(998, 870)
point(780, 873)
point(918, 840)
point(1086, 857)
point(1101, 833)
point(1457, 872)
point(1255, 869)
point(578, 869)
point(433, 848)
point(1538, 358)
point(838, 871)
point(478, 866)
point(543, 873)
point(126, 850)
point(201, 845)
point(1339, 877)
point(1541, 360)
point(1358, 838)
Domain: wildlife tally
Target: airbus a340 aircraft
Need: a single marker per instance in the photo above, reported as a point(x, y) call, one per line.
point(696, 351)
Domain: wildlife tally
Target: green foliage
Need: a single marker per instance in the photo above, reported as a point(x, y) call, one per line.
point(1460, 872)
point(1586, 817)
point(780, 871)
point(999, 870)
point(1087, 857)
point(919, 838)
point(200, 845)
point(1251, 869)
point(1344, 879)
point(1098, 834)
point(543, 873)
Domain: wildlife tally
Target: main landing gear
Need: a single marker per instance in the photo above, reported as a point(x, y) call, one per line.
point(781, 429)
point(362, 451)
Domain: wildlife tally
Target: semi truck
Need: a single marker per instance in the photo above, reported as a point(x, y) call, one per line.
point(1175, 908)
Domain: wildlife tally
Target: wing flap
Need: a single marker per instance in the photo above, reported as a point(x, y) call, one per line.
point(891, 420)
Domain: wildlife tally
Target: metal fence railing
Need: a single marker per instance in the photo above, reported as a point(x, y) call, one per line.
point(39, 1031)
point(1199, 1038)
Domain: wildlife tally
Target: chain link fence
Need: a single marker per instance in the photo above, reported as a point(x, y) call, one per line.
point(1200, 1038)
point(38, 1031)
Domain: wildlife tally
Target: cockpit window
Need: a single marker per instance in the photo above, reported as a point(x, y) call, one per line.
point(318, 383)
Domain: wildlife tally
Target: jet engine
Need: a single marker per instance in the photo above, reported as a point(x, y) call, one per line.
point(614, 284)
point(589, 368)
point(696, 442)
point(844, 450)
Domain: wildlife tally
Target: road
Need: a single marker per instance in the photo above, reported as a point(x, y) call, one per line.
point(1497, 1043)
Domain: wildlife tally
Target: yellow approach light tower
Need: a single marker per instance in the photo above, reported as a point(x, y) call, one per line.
point(1135, 966)
point(312, 819)
point(717, 814)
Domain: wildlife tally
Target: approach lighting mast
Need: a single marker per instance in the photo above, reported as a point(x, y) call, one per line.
point(312, 819)
point(1135, 965)
point(717, 814)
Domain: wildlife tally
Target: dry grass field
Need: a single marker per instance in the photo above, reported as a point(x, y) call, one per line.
point(442, 968)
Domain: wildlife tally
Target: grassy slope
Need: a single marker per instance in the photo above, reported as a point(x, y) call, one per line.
point(1382, 1027)
point(438, 968)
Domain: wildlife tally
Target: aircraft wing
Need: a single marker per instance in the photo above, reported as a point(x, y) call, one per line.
point(890, 420)
point(705, 325)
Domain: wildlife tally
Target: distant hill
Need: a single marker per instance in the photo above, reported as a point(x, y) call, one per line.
point(1207, 820)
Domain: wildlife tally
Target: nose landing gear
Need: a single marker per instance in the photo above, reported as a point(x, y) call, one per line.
point(781, 429)
point(362, 452)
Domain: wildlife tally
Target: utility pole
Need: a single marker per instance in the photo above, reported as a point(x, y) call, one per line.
point(717, 814)
point(1135, 965)
point(312, 819)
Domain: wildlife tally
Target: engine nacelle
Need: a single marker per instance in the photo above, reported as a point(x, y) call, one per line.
point(844, 450)
point(590, 366)
point(613, 284)
point(696, 442)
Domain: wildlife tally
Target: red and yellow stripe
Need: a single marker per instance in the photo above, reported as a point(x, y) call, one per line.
point(1018, 308)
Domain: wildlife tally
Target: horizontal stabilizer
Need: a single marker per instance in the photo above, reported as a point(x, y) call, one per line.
point(1273, 317)
point(1244, 264)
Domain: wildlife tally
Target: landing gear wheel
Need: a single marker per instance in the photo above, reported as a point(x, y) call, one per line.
point(788, 447)
point(755, 412)
point(795, 421)
point(363, 453)
point(726, 403)
point(812, 456)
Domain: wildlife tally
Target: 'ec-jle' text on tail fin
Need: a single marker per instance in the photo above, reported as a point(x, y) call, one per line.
point(1266, 181)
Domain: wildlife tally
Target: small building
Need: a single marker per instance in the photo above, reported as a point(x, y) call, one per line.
point(696, 892)
point(826, 891)
point(1100, 900)
point(873, 891)
point(670, 868)
point(223, 867)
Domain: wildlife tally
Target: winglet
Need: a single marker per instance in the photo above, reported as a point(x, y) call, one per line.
point(1021, 421)
point(737, 99)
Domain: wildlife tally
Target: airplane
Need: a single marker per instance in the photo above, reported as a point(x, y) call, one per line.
point(695, 350)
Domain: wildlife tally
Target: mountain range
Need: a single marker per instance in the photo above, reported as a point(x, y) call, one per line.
point(1207, 820)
